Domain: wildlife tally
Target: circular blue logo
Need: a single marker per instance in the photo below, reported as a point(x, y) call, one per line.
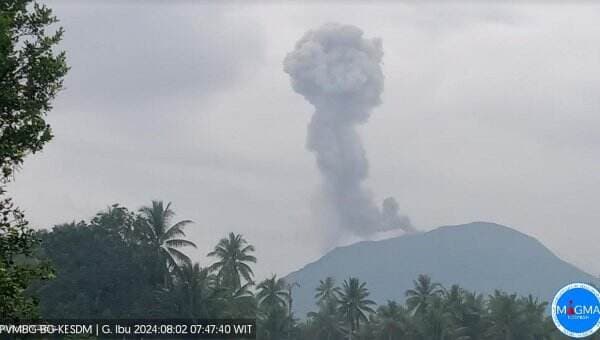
point(576, 310)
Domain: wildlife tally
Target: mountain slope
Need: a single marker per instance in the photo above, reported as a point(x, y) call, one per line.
point(478, 256)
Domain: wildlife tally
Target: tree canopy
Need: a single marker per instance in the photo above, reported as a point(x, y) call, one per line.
point(31, 75)
point(107, 267)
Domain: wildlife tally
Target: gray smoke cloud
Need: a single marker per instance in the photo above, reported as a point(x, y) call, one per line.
point(339, 73)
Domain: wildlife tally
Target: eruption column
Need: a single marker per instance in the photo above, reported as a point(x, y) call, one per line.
point(339, 73)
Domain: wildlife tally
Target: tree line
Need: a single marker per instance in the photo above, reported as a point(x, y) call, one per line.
point(132, 264)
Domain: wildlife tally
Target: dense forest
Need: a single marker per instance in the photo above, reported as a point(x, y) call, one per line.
point(126, 263)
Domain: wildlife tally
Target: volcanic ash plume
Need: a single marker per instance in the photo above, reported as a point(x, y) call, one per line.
point(339, 73)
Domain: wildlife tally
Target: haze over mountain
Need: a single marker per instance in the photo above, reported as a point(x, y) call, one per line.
point(478, 256)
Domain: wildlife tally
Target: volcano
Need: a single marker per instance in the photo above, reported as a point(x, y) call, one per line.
point(478, 256)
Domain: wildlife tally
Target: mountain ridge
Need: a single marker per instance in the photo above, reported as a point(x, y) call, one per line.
point(480, 256)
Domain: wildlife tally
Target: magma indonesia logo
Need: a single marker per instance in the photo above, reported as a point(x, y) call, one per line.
point(576, 310)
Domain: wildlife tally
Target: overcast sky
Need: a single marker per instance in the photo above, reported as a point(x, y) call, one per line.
point(490, 112)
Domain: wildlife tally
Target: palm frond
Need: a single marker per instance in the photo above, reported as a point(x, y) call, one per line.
point(177, 243)
point(178, 256)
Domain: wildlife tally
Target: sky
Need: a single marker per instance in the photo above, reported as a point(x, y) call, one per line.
point(490, 112)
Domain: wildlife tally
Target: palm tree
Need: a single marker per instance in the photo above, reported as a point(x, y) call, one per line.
point(435, 321)
point(453, 303)
point(534, 312)
point(453, 297)
point(164, 239)
point(236, 303)
point(326, 290)
point(424, 290)
point(273, 298)
point(196, 290)
point(473, 315)
point(369, 330)
point(354, 304)
point(325, 323)
point(390, 319)
point(290, 287)
point(274, 324)
point(505, 317)
point(233, 254)
point(272, 293)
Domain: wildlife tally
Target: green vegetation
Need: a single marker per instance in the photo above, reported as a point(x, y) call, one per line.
point(233, 254)
point(118, 265)
point(431, 312)
point(31, 74)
